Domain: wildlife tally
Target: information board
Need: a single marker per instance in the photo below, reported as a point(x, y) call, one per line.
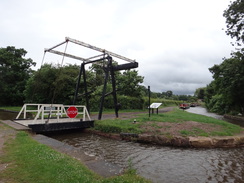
point(155, 105)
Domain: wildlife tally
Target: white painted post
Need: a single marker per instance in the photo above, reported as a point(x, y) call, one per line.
point(84, 114)
point(25, 111)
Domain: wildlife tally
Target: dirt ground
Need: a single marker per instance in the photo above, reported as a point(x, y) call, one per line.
point(166, 128)
point(176, 134)
point(173, 129)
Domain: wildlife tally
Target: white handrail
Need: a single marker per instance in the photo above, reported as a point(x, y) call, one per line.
point(52, 111)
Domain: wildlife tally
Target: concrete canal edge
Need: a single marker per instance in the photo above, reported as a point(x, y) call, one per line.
point(178, 141)
point(227, 141)
point(99, 166)
point(195, 142)
point(237, 118)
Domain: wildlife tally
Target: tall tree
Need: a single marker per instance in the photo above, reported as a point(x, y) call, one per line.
point(229, 81)
point(15, 70)
point(234, 15)
point(225, 93)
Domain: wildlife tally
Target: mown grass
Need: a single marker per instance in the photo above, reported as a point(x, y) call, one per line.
point(32, 162)
point(195, 132)
point(175, 116)
point(117, 126)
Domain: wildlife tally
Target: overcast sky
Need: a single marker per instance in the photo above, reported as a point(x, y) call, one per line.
point(174, 41)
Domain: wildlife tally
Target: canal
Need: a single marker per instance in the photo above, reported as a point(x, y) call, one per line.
point(203, 111)
point(164, 164)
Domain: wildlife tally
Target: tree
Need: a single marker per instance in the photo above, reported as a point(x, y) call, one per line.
point(200, 93)
point(128, 83)
point(52, 84)
point(225, 94)
point(15, 70)
point(234, 15)
point(169, 93)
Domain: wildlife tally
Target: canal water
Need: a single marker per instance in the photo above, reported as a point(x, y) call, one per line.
point(203, 111)
point(7, 115)
point(164, 164)
point(11, 115)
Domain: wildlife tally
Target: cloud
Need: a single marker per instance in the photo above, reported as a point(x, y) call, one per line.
point(175, 42)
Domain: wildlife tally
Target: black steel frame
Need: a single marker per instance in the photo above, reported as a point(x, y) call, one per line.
point(109, 70)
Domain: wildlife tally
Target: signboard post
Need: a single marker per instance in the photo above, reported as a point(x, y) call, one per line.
point(72, 112)
point(149, 97)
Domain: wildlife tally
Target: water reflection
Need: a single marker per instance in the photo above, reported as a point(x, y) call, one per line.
point(164, 164)
point(6, 115)
point(203, 111)
point(9, 115)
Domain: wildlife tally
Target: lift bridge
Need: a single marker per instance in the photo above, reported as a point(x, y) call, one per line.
point(99, 59)
point(52, 117)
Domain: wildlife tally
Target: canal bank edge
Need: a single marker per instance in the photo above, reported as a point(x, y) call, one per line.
point(238, 118)
point(178, 141)
point(99, 166)
point(196, 142)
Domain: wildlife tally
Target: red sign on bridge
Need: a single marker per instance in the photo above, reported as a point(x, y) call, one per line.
point(72, 112)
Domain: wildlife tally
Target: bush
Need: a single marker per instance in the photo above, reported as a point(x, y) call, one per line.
point(126, 102)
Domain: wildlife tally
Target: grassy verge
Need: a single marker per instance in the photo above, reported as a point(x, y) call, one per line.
point(12, 108)
point(175, 116)
point(29, 161)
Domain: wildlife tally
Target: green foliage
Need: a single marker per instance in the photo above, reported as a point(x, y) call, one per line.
point(117, 126)
point(168, 95)
point(128, 83)
point(225, 94)
point(128, 102)
point(216, 104)
point(200, 93)
point(165, 102)
point(52, 84)
point(32, 162)
point(15, 70)
point(234, 15)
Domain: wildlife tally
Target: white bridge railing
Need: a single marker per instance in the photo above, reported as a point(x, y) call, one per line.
point(44, 112)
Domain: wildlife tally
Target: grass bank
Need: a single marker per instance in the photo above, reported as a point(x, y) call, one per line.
point(153, 125)
point(12, 108)
point(30, 161)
